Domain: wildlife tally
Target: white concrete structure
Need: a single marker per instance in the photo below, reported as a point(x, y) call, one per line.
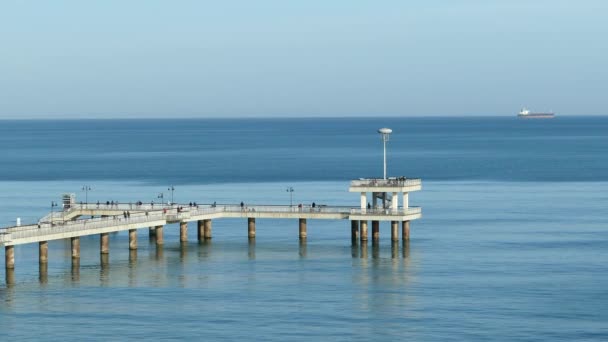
point(108, 218)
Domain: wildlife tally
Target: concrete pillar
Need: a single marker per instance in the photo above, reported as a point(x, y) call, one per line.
point(375, 230)
point(395, 201)
point(354, 230)
point(302, 229)
point(75, 242)
point(9, 257)
point(43, 252)
point(132, 239)
point(104, 243)
point(183, 231)
point(363, 234)
point(199, 234)
point(251, 227)
point(363, 200)
point(159, 235)
point(207, 230)
point(9, 277)
point(405, 230)
point(43, 272)
point(394, 231)
point(374, 200)
point(151, 231)
point(406, 200)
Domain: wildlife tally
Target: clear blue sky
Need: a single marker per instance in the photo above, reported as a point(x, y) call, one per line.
point(284, 58)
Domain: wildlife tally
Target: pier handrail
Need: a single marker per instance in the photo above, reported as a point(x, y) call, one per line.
point(71, 226)
point(388, 211)
point(394, 181)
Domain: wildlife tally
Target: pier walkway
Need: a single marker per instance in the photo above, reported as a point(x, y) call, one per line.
point(91, 219)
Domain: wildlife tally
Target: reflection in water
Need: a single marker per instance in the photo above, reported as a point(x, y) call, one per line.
point(302, 251)
point(159, 252)
point(204, 250)
point(183, 251)
point(75, 270)
point(364, 250)
point(251, 249)
point(394, 249)
point(104, 270)
point(354, 249)
point(10, 277)
point(43, 273)
point(406, 249)
point(132, 267)
point(375, 249)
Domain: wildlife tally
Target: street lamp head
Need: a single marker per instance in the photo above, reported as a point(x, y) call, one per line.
point(385, 133)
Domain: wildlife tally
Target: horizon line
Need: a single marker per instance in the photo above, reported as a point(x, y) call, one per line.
point(464, 116)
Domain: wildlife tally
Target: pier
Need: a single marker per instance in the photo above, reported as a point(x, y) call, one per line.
point(86, 219)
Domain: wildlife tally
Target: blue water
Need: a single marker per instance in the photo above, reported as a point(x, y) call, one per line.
point(512, 245)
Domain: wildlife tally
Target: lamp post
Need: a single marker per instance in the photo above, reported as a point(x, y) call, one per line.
point(290, 190)
point(162, 198)
point(53, 205)
point(171, 188)
point(86, 189)
point(385, 134)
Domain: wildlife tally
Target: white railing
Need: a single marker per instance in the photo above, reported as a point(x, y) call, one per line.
point(389, 211)
point(379, 182)
point(72, 226)
point(172, 215)
point(286, 209)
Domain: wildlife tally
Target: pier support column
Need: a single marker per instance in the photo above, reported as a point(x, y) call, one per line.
point(394, 231)
point(75, 244)
point(132, 239)
point(303, 229)
point(207, 230)
point(375, 230)
point(9, 257)
point(405, 230)
point(354, 230)
point(104, 243)
point(183, 231)
point(363, 200)
point(395, 201)
point(199, 232)
point(43, 252)
point(406, 200)
point(159, 235)
point(251, 227)
point(363, 234)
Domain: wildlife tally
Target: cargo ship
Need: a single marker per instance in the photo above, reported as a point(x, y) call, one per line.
point(526, 114)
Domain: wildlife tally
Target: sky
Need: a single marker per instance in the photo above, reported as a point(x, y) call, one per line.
point(305, 58)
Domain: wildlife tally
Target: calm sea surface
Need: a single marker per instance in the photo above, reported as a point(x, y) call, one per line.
point(513, 243)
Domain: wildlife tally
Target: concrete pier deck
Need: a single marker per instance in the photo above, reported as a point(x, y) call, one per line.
point(76, 220)
point(149, 216)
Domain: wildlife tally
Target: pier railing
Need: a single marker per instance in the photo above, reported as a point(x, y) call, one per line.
point(389, 211)
point(380, 182)
point(78, 225)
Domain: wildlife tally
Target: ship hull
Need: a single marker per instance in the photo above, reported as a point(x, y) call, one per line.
point(537, 116)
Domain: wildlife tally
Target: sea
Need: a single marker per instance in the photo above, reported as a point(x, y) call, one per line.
point(512, 243)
